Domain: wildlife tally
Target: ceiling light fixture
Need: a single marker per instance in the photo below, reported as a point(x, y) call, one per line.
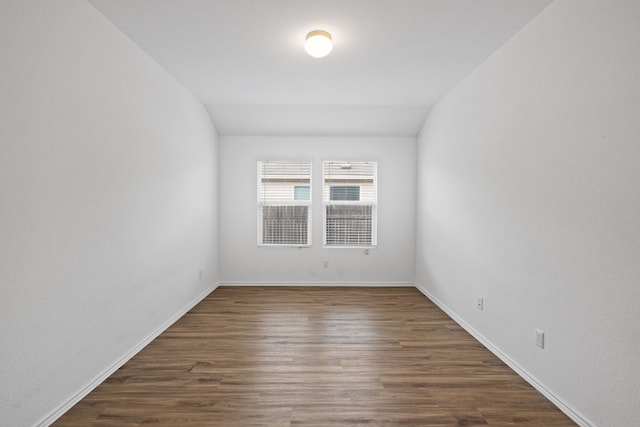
point(318, 43)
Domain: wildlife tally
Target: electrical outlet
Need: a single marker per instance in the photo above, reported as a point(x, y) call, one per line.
point(539, 338)
point(480, 303)
point(325, 263)
point(366, 251)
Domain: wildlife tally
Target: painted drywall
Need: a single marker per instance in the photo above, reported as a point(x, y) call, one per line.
point(107, 202)
point(529, 195)
point(243, 261)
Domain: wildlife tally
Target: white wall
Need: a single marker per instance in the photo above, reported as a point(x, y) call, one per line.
point(242, 261)
point(108, 202)
point(529, 195)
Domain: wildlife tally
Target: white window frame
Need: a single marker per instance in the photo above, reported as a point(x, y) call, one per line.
point(326, 194)
point(261, 203)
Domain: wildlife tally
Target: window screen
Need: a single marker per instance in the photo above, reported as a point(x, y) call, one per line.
point(284, 203)
point(350, 203)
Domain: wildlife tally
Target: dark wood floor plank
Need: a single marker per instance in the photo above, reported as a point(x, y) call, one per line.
point(314, 356)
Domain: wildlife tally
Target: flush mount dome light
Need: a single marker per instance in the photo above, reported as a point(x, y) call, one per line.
point(318, 43)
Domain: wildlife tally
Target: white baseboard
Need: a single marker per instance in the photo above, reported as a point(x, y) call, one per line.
point(570, 412)
point(346, 284)
point(58, 412)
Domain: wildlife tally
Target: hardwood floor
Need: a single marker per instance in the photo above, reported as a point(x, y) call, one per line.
point(315, 356)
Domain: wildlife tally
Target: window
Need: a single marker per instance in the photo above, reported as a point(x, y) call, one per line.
point(284, 203)
point(301, 192)
point(344, 193)
point(350, 203)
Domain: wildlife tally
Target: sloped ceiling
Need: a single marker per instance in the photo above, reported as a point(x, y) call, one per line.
point(392, 59)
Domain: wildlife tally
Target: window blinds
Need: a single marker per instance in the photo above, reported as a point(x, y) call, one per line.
point(350, 203)
point(284, 200)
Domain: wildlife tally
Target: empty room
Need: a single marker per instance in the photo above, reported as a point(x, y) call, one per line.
point(280, 213)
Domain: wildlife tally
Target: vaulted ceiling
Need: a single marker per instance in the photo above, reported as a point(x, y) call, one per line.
point(392, 59)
